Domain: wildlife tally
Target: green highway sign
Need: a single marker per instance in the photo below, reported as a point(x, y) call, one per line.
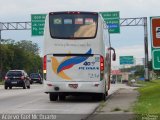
point(126, 60)
point(155, 38)
point(112, 19)
point(156, 59)
point(37, 23)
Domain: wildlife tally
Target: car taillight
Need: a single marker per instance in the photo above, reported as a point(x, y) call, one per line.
point(22, 77)
point(101, 63)
point(44, 64)
point(6, 78)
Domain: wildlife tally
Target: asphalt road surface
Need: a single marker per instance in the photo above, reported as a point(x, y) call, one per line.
point(35, 101)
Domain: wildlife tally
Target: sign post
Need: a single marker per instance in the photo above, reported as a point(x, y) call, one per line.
point(155, 37)
point(37, 23)
point(146, 73)
point(112, 19)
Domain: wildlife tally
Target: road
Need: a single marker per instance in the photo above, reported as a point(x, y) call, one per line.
point(34, 101)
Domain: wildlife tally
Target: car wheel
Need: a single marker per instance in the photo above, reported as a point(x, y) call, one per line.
point(28, 87)
point(10, 87)
point(5, 87)
point(41, 82)
point(24, 85)
point(53, 96)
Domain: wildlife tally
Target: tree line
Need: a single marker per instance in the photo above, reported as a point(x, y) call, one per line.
point(139, 70)
point(23, 54)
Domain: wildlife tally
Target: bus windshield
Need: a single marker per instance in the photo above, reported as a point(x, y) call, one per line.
point(71, 25)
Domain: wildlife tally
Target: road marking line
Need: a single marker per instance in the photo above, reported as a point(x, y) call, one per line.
point(41, 110)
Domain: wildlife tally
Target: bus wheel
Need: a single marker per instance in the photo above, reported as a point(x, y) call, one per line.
point(104, 98)
point(99, 96)
point(53, 96)
point(106, 93)
point(62, 97)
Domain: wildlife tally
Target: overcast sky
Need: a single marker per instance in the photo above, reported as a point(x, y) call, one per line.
point(129, 42)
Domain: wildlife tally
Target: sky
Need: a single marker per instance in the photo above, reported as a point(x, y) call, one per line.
point(130, 41)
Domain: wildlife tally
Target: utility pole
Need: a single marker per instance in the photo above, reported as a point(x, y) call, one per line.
point(146, 49)
point(0, 55)
point(1, 26)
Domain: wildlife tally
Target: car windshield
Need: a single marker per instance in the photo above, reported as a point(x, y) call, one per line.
point(34, 75)
point(14, 73)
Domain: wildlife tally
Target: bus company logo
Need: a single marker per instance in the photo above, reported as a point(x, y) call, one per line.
point(67, 63)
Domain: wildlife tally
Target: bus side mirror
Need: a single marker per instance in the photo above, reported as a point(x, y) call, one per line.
point(114, 54)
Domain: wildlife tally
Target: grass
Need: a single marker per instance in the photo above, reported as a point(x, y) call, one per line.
point(149, 99)
point(101, 106)
point(116, 109)
point(1, 82)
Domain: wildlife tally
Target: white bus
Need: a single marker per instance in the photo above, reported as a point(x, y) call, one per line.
point(77, 55)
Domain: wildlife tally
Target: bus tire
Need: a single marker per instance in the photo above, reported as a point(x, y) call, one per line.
point(106, 93)
point(62, 97)
point(53, 96)
point(98, 96)
point(104, 98)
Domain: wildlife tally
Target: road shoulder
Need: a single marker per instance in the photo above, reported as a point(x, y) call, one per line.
point(118, 106)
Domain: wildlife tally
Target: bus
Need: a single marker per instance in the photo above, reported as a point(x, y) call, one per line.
point(77, 55)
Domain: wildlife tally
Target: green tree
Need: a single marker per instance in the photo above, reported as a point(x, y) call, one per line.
point(20, 55)
point(28, 46)
point(139, 70)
